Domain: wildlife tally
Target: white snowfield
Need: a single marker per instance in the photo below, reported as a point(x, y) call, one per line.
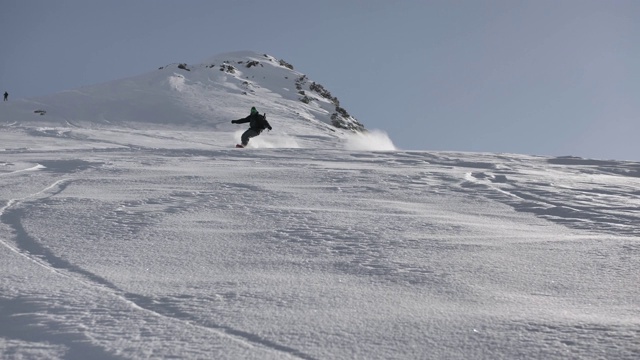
point(126, 236)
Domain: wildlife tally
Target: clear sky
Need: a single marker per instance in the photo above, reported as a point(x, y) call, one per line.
point(541, 77)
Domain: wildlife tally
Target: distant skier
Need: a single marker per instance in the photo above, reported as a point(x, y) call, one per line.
point(6, 96)
point(257, 123)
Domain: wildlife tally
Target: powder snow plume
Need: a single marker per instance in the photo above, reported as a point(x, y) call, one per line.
point(373, 140)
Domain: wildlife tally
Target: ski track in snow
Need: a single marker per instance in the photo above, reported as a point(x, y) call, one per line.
point(36, 252)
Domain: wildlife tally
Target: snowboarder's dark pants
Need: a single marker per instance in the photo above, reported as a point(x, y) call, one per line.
point(248, 135)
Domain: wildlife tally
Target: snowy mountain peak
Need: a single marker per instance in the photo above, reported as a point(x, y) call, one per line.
point(265, 76)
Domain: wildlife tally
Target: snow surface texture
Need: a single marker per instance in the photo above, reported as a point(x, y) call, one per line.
point(130, 237)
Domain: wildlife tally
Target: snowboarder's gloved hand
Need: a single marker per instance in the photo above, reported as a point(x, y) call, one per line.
point(233, 121)
point(270, 128)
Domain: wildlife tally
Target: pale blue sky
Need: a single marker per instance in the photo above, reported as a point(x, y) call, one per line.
point(541, 77)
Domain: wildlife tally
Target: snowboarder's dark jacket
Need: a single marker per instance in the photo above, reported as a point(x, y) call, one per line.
point(256, 121)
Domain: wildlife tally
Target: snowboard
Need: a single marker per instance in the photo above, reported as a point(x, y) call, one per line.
point(239, 146)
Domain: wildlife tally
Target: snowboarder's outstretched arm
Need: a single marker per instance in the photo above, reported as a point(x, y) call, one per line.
point(241, 121)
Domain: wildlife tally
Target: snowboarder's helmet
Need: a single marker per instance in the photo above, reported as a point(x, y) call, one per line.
point(253, 110)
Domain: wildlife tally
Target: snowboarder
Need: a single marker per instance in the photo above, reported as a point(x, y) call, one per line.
point(257, 123)
point(6, 96)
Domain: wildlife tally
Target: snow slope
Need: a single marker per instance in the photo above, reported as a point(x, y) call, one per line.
point(153, 238)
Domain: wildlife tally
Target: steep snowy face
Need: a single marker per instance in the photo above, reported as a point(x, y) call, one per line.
point(203, 96)
point(275, 81)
